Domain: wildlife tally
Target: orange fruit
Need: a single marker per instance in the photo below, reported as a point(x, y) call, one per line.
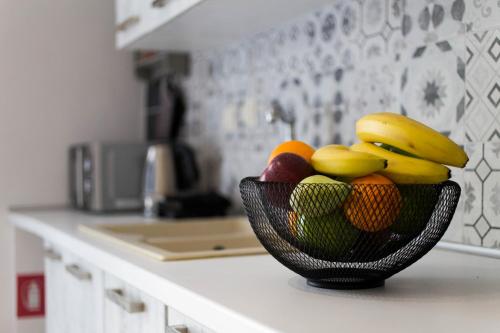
point(374, 203)
point(299, 148)
point(292, 222)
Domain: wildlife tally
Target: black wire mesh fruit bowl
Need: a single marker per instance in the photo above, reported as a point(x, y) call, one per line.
point(348, 236)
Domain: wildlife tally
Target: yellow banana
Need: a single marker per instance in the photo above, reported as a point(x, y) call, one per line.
point(404, 169)
point(411, 136)
point(333, 161)
point(338, 147)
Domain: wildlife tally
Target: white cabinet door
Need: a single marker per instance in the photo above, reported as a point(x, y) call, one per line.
point(83, 288)
point(54, 290)
point(127, 310)
point(73, 293)
point(127, 10)
point(131, 19)
point(177, 319)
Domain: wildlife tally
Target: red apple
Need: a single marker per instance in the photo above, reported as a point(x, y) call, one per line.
point(287, 168)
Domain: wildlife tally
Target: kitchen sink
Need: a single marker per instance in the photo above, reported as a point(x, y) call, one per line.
point(183, 239)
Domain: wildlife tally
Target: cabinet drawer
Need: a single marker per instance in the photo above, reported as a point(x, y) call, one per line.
point(55, 302)
point(73, 293)
point(83, 293)
point(176, 318)
point(128, 310)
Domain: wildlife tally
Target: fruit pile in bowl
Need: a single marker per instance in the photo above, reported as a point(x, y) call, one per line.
point(350, 217)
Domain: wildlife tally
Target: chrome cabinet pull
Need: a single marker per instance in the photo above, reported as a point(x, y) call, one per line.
point(131, 21)
point(78, 272)
point(116, 296)
point(159, 3)
point(52, 255)
point(177, 329)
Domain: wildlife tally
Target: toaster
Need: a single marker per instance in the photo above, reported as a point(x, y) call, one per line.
point(106, 177)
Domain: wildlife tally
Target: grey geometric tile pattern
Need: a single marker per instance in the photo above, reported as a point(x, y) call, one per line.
point(432, 85)
point(432, 21)
point(381, 28)
point(481, 15)
point(483, 86)
point(481, 195)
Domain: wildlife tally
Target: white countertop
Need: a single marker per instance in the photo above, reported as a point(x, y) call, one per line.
point(443, 292)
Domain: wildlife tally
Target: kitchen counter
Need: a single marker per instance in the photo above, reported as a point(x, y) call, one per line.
point(443, 292)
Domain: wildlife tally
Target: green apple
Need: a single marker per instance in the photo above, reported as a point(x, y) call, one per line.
point(327, 236)
point(418, 205)
point(318, 195)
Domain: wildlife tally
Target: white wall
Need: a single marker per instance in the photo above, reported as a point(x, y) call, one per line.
point(61, 81)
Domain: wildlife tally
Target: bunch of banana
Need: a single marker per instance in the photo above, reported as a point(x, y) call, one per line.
point(414, 152)
point(337, 160)
point(403, 169)
point(410, 136)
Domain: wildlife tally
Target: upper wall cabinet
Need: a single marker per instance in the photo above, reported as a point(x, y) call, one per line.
point(189, 25)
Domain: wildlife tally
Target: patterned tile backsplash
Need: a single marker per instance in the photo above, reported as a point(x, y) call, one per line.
point(482, 195)
point(483, 86)
point(437, 61)
point(433, 86)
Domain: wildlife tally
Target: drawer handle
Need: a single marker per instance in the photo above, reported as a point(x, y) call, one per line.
point(78, 273)
point(177, 329)
point(52, 255)
point(131, 21)
point(159, 3)
point(116, 296)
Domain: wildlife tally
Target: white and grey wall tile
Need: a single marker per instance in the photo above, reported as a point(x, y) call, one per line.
point(433, 86)
point(482, 120)
point(482, 195)
point(371, 87)
point(482, 14)
point(381, 29)
point(368, 85)
point(431, 21)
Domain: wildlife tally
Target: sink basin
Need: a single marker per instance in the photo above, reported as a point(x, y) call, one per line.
point(181, 240)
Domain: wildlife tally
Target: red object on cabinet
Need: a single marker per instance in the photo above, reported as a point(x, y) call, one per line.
point(30, 295)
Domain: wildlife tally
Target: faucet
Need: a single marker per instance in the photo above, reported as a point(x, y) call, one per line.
point(277, 112)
